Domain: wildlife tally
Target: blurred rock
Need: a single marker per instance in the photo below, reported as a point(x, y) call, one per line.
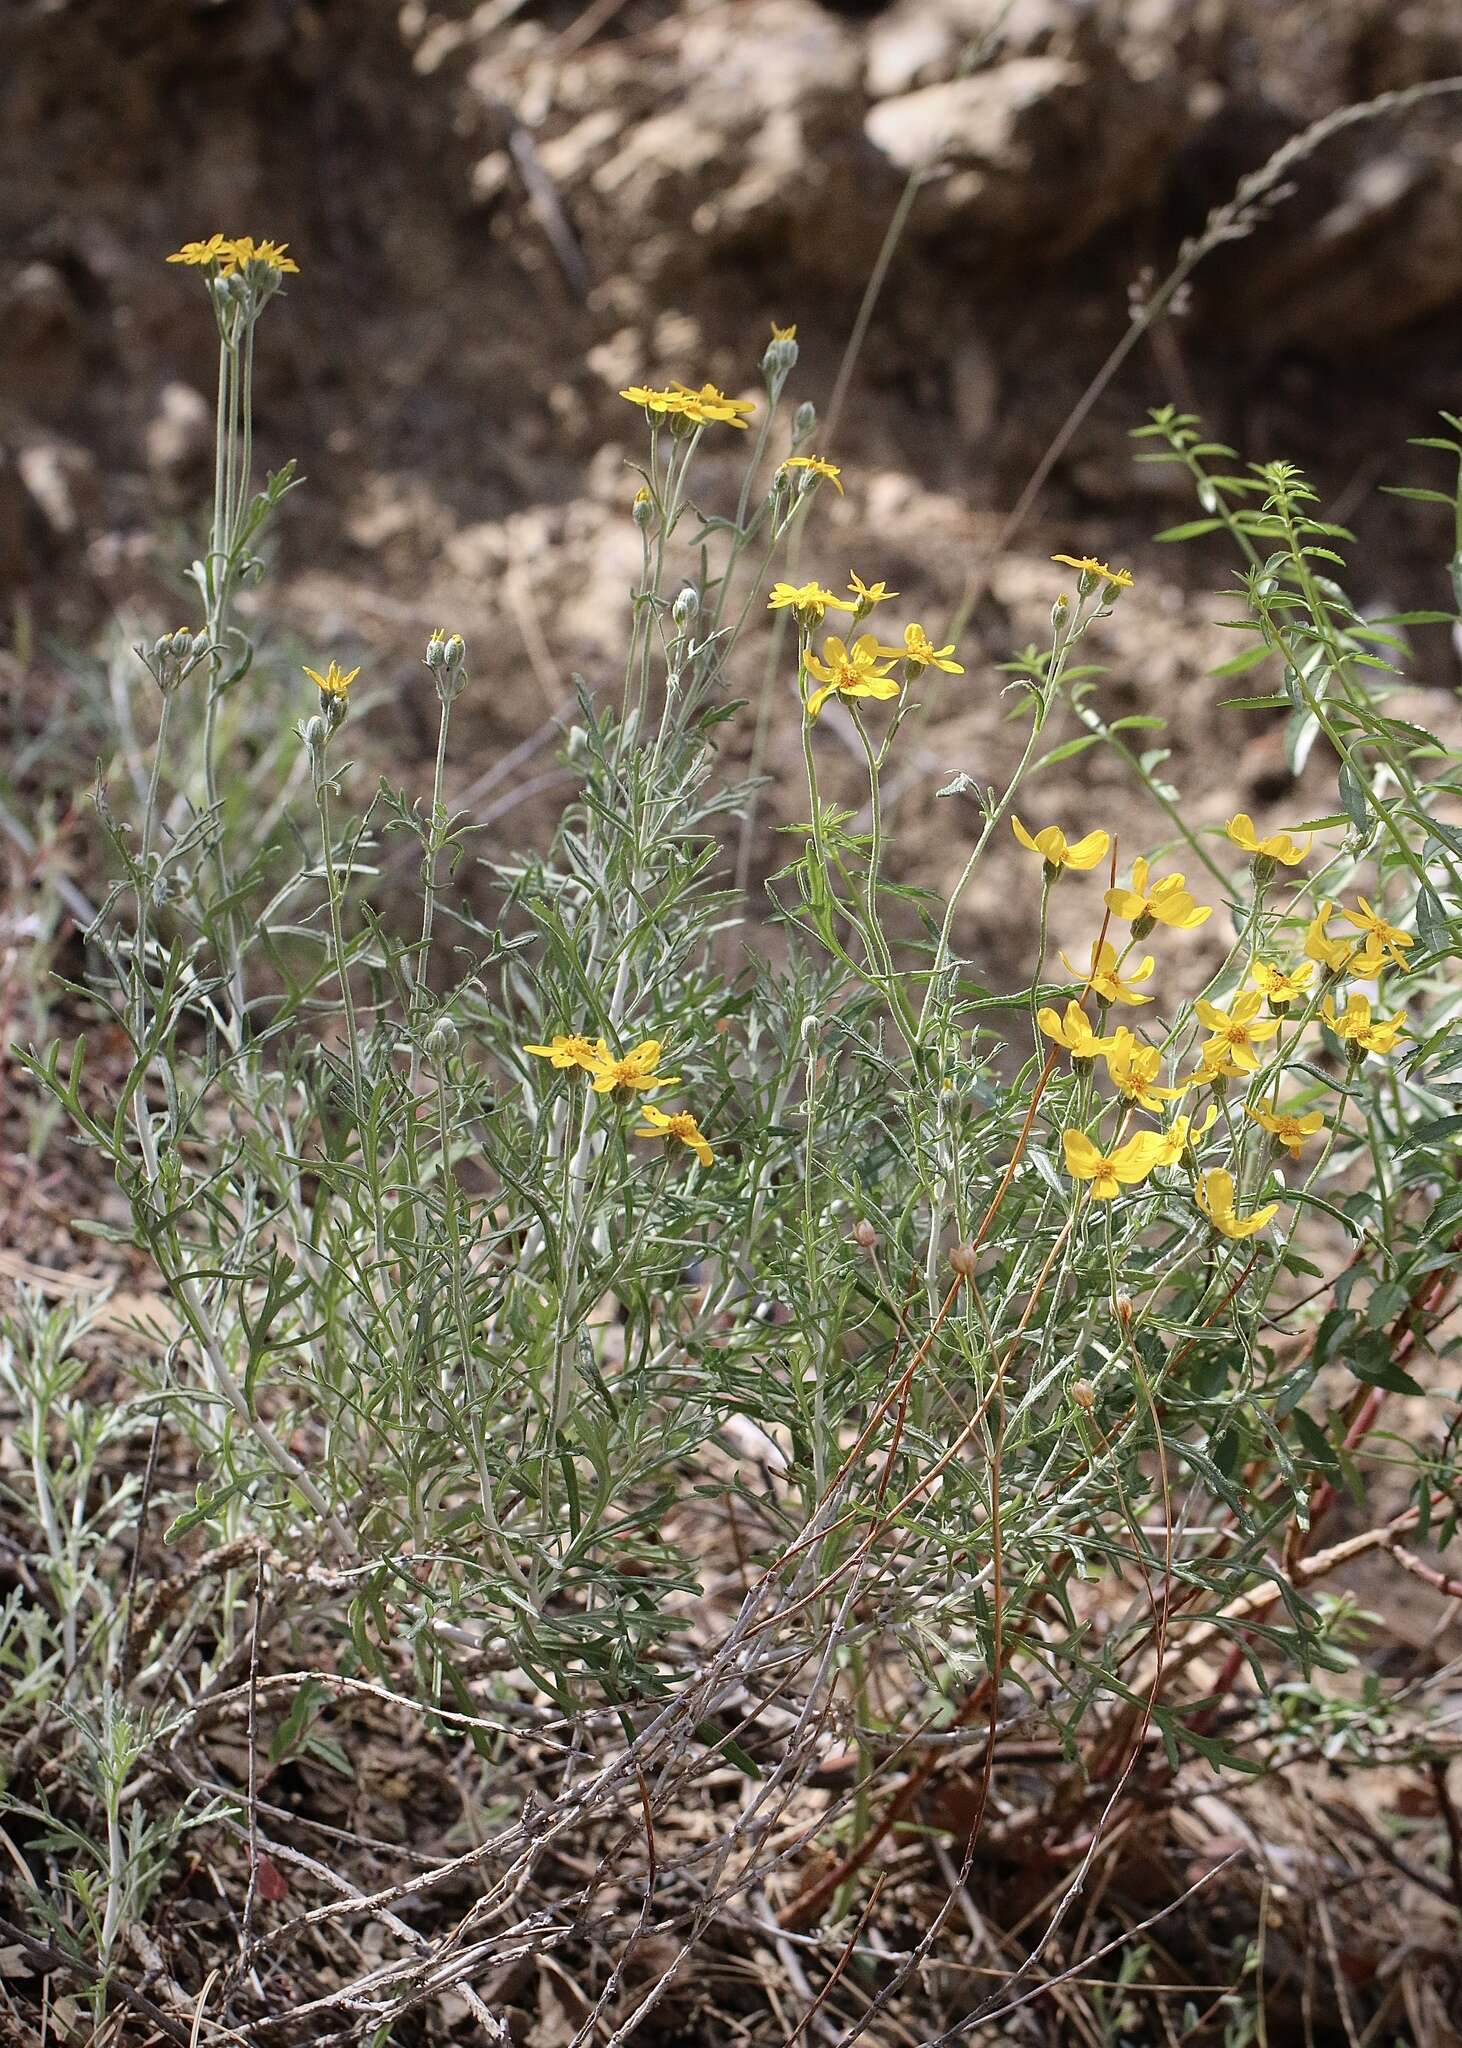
point(41, 355)
point(179, 443)
point(60, 479)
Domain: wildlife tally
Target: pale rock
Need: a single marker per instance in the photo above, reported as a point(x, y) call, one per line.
point(179, 438)
point(62, 484)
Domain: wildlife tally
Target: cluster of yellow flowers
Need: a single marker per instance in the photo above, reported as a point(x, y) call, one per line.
point(1231, 1051)
point(627, 1075)
point(222, 255)
point(866, 668)
point(704, 408)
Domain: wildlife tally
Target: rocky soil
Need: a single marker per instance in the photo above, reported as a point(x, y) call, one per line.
point(504, 211)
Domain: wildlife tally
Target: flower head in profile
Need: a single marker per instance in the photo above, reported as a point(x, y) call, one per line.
point(703, 408)
point(1133, 1069)
point(1215, 1197)
point(867, 595)
point(1183, 1133)
point(244, 250)
point(1380, 941)
point(1108, 1172)
point(919, 651)
point(815, 466)
point(1280, 986)
point(809, 600)
point(1057, 851)
point(1072, 1030)
point(1235, 1033)
point(1334, 955)
point(1278, 846)
point(680, 1126)
point(1104, 977)
point(856, 671)
point(784, 333)
point(1358, 1029)
point(631, 1070)
point(1286, 1128)
point(570, 1051)
point(335, 683)
point(1088, 565)
point(200, 255)
point(1166, 902)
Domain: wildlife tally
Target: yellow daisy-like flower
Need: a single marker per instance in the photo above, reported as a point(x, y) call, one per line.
point(1356, 1027)
point(244, 250)
point(1057, 851)
point(569, 1051)
point(681, 1125)
point(1215, 1197)
point(199, 255)
point(1334, 955)
point(1285, 1128)
point(1108, 1172)
point(1107, 981)
point(815, 466)
point(703, 408)
point(1088, 565)
point(1072, 1031)
point(1235, 1033)
point(859, 671)
point(1381, 941)
point(1278, 846)
point(1133, 1069)
point(920, 651)
point(1184, 1132)
point(784, 333)
point(869, 594)
point(1166, 902)
point(630, 1070)
point(335, 682)
point(1280, 986)
point(810, 599)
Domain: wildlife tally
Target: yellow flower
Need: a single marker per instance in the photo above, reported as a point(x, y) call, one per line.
point(1118, 579)
point(1382, 941)
point(1280, 986)
point(335, 682)
point(1073, 1032)
point(706, 407)
point(869, 594)
point(1057, 852)
point(1109, 1171)
point(1278, 846)
point(710, 407)
point(1287, 1129)
point(1334, 955)
point(1235, 1033)
point(815, 466)
point(243, 250)
point(1134, 1067)
point(859, 671)
point(1356, 1027)
point(1183, 1132)
point(1165, 902)
point(571, 1051)
point(784, 333)
point(1216, 1199)
point(681, 1125)
point(808, 598)
point(200, 254)
point(632, 1070)
point(918, 649)
point(1107, 981)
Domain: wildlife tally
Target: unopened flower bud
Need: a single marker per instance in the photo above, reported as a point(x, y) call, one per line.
point(442, 1041)
point(1124, 1310)
point(314, 732)
point(804, 420)
point(963, 1260)
point(779, 359)
point(1083, 1393)
point(182, 643)
point(686, 609)
point(643, 509)
point(864, 1235)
